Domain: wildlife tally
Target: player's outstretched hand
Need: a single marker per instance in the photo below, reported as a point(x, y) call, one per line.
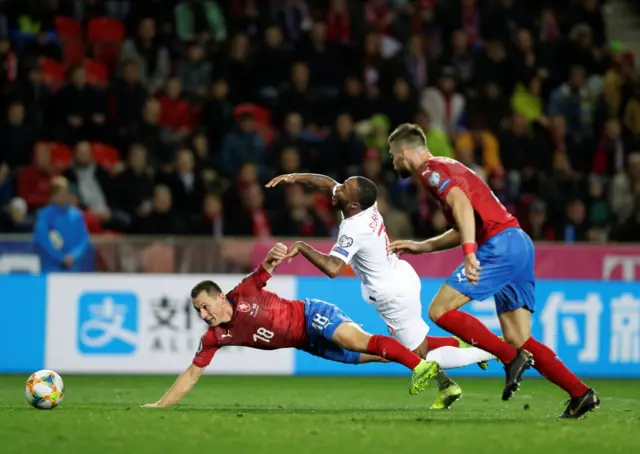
point(150, 405)
point(472, 268)
point(288, 178)
point(293, 251)
point(408, 247)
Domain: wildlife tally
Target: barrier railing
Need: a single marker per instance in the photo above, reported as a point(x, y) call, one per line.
point(148, 254)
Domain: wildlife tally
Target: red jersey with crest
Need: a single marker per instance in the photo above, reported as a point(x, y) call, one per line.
point(261, 319)
point(439, 175)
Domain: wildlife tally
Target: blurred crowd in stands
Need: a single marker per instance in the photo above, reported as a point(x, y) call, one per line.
point(167, 117)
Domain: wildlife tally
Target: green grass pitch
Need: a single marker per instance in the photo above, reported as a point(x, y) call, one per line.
point(307, 415)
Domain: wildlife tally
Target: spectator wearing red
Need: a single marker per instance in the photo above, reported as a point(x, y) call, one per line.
point(610, 156)
point(34, 181)
point(338, 21)
point(253, 219)
point(175, 113)
point(378, 15)
point(8, 64)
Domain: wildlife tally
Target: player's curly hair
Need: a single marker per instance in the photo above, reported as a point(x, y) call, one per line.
point(209, 287)
point(367, 192)
point(409, 134)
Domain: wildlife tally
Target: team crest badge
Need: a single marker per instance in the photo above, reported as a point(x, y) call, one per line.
point(243, 307)
point(434, 179)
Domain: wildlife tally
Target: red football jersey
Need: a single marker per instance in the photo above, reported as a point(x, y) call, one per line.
point(439, 175)
point(261, 319)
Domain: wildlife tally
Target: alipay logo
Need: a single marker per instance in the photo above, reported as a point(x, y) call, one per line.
point(108, 323)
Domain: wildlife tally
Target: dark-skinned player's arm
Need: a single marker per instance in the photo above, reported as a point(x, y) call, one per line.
point(464, 215)
point(328, 264)
point(315, 180)
point(349, 243)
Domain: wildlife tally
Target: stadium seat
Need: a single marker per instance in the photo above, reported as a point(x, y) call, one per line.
point(97, 72)
point(105, 155)
point(61, 155)
point(73, 53)
point(105, 37)
point(107, 53)
point(267, 133)
point(262, 118)
point(53, 73)
point(68, 29)
point(105, 30)
point(261, 115)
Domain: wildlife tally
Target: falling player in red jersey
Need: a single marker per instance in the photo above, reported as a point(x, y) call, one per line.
point(251, 316)
point(498, 263)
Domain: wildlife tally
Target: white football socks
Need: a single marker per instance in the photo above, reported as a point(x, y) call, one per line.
point(453, 357)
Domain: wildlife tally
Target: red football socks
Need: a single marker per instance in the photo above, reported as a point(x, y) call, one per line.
point(472, 331)
point(554, 370)
point(434, 342)
point(392, 350)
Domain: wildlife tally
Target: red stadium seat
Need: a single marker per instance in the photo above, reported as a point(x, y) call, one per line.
point(53, 73)
point(107, 53)
point(262, 118)
point(97, 72)
point(73, 53)
point(261, 115)
point(105, 30)
point(105, 36)
point(105, 155)
point(61, 156)
point(68, 29)
point(267, 133)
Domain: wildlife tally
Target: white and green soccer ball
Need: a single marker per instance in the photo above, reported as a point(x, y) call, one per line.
point(44, 389)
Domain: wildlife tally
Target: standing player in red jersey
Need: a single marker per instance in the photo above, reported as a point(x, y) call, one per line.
point(498, 262)
point(251, 316)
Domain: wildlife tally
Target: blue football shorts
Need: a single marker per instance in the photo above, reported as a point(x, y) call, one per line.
point(322, 319)
point(507, 272)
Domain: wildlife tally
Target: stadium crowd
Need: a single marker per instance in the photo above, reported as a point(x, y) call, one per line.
point(168, 117)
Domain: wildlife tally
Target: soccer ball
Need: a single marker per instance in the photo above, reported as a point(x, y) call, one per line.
point(44, 389)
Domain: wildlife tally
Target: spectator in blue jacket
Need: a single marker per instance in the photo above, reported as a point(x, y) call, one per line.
point(243, 144)
point(60, 235)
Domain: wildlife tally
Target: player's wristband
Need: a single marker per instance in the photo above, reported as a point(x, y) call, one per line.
point(469, 248)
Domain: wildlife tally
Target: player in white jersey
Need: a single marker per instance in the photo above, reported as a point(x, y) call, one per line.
point(391, 285)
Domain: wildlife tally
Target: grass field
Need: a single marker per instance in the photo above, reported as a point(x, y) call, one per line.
point(308, 415)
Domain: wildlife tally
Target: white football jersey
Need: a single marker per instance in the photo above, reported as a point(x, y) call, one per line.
point(362, 243)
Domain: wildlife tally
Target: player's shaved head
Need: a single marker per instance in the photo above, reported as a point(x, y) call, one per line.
point(208, 287)
point(367, 192)
point(408, 135)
